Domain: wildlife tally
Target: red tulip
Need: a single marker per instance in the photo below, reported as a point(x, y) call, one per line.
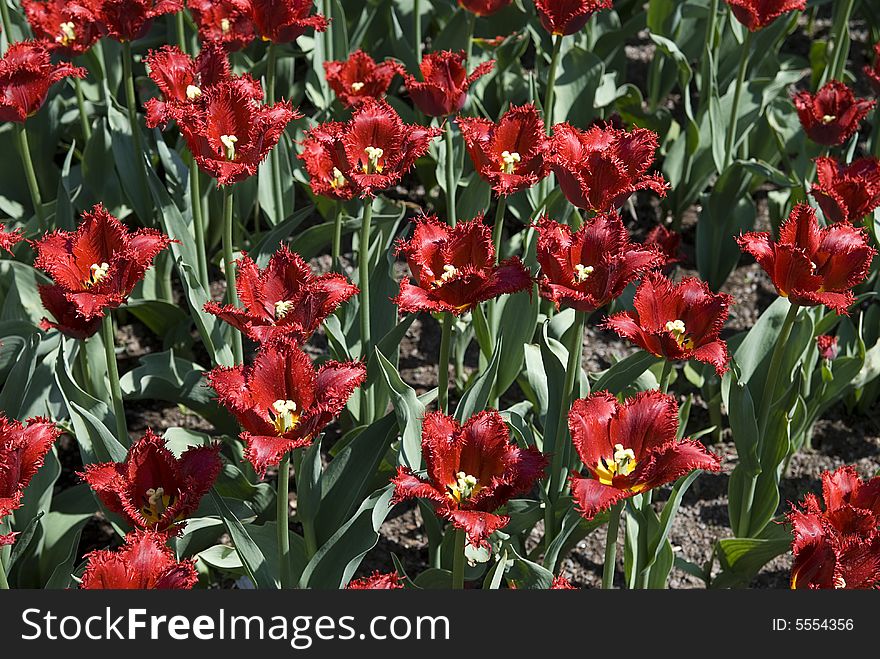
point(472, 470)
point(230, 133)
point(323, 153)
point(377, 581)
point(589, 268)
point(847, 192)
point(227, 22)
point(285, 299)
point(283, 21)
point(561, 583)
point(563, 17)
point(629, 448)
point(666, 241)
point(281, 401)
point(184, 81)
point(677, 321)
point(67, 319)
point(454, 268)
point(832, 115)
point(838, 547)
point(828, 348)
point(360, 77)
point(758, 14)
point(153, 489)
point(143, 563)
point(812, 265)
point(600, 168)
point(445, 82)
point(509, 155)
point(99, 264)
point(376, 148)
point(55, 26)
point(484, 7)
point(873, 70)
point(26, 74)
point(23, 446)
point(123, 20)
point(8, 239)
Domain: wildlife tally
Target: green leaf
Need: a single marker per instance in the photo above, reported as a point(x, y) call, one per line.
point(251, 556)
point(621, 375)
point(477, 395)
point(410, 412)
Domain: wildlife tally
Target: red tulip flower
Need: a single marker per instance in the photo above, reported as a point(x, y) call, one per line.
point(183, 81)
point(54, 25)
point(360, 77)
point(445, 82)
point(285, 299)
point(153, 489)
point(677, 321)
point(758, 14)
point(26, 74)
point(587, 269)
point(629, 448)
point(99, 264)
point(323, 153)
point(454, 268)
point(8, 239)
point(561, 583)
point(666, 241)
point(828, 348)
point(847, 192)
point(838, 546)
point(143, 563)
point(23, 446)
point(282, 21)
point(281, 401)
point(600, 168)
point(371, 152)
point(832, 115)
point(563, 17)
point(484, 7)
point(509, 155)
point(230, 133)
point(873, 70)
point(67, 318)
point(472, 470)
point(812, 265)
point(227, 22)
point(377, 581)
point(123, 20)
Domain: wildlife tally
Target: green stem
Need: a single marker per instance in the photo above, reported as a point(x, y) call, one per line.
point(337, 236)
point(498, 229)
point(737, 93)
point(665, 376)
point(4, 583)
point(29, 172)
point(198, 223)
point(181, 31)
point(550, 94)
point(840, 30)
point(271, 65)
point(229, 264)
point(7, 25)
point(417, 28)
point(329, 55)
point(131, 103)
point(472, 22)
point(83, 115)
point(451, 183)
point(364, 284)
point(611, 546)
point(109, 339)
point(458, 561)
point(282, 504)
point(707, 84)
point(443, 364)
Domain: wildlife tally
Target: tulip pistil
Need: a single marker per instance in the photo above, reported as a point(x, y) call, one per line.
point(156, 503)
point(68, 33)
point(225, 25)
point(282, 308)
point(464, 487)
point(449, 273)
point(97, 273)
point(338, 180)
point(193, 92)
point(679, 333)
point(284, 416)
point(357, 86)
point(229, 142)
point(374, 154)
point(828, 118)
point(582, 273)
point(509, 161)
point(622, 463)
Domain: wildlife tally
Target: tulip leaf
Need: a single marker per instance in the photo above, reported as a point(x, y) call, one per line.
point(15, 388)
point(410, 412)
point(251, 556)
point(621, 375)
point(476, 398)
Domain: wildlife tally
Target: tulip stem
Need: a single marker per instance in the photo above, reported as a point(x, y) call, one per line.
point(666, 376)
point(364, 284)
point(737, 93)
point(282, 521)
point(4, 583)
point(198, 222)
point(560, 446)
point(498, 229)
point(443, 365)
point(229, 264)
point(7, 26)
point(83, 115)
point(450, 175)
point(271, 60)
point(109, 338)
point(550, 94)
point(840, 33)
point(469, 52)
point(417, 28)
point(29, 172)
point(131, 102)
point(337, 236)
point(611, 546)
point(329, 55)
point(458, 561)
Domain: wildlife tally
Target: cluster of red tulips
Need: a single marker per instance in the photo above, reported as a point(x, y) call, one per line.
point(484, 476)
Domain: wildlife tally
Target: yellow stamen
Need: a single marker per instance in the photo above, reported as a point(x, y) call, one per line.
point(156, 503)
point(679, 333)
point(229, 142)
point(509, 161)
point(582, 273)
point(374, 154)
point(464, 487)
point(338, 180)
point(357, 86)
point(284, 416)
point(68, 33)
point(622, 463)
point(97, 272)
point(282, 308)
point(193, 92)
point(449, 273)
point(225, 25)
point(828, 118)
